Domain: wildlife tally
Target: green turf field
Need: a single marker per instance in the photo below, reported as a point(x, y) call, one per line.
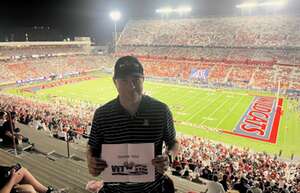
point(192, 108)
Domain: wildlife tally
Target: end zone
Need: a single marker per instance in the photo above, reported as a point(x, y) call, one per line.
point(261, 120)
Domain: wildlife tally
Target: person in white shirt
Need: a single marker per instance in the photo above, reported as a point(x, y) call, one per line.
point(214, 186)
point(255, 188)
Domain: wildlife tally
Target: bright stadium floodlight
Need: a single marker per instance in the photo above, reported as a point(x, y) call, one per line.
point(168, 10)
point(115, 16)
point(278, 3)
point(165, 10)
point(183, 9)
point(247, 5)
point(270, 3)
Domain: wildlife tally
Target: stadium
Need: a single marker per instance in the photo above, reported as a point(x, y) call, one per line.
point(232, 84)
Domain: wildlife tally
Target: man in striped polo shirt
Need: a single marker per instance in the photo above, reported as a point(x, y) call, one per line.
point(132, 118)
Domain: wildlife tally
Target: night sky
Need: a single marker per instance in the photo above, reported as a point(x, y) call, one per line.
point(58, 19)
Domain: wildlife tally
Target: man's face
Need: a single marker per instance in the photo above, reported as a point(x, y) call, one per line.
point(130, 88)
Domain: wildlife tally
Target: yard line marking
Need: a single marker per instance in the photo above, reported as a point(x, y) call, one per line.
point(204, 107)
point(224, 102)
point(229, 113)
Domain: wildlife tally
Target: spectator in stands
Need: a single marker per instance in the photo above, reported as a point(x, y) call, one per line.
point(255, 188)
point(224, 182)
point(242, 186)
point(8, 129)
point(13, 179)
point(2, 119)
point(132, 106)
point(214, 186)
point(185, 172)
point(6, 132)
point(206, 172)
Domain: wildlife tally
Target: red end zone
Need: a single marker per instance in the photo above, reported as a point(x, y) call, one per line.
point(275, 126)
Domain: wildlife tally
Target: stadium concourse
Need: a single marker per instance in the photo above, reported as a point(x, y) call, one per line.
point(260, 53)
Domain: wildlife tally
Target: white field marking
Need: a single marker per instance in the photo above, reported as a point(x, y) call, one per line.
point(181, 113)
point(192, 100)
point(210, 115)
point(80, 94)
point(185, 96)
point(229, 113)
point(167, 94)
point(195, 103)
point(199, 100)
point(179, 99)
point(208, 118)
point(183, 86)
point(204, 107)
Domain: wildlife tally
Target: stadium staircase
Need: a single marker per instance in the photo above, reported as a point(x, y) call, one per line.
point(51, 165)
point(228, 74)
point(253, 75)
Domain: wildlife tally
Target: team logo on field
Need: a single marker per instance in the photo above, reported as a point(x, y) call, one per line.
point(261, 120)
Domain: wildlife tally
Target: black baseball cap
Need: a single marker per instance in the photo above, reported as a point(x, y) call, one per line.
point(128, 66)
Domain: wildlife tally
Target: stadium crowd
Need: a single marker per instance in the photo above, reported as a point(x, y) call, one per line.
point(234, 168)
point(42, 50)
point(248, 52)
point(224, 46)
point(232, 73)
point(281, 56)
point(255, 31)
point(14, 70)
point(197, 158)
point(225, 73)
point(56, 119)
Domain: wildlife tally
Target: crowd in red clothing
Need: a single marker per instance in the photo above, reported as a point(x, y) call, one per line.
point(56, 117)
point(226, 73)
point(30, 68)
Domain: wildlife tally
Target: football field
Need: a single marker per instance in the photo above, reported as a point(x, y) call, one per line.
point(213, 114)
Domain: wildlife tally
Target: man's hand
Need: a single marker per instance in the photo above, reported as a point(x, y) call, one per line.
point(161, 163)
point(96, 165)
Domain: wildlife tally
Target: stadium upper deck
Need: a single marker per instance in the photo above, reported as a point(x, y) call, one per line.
point(262, 38)
point(248, 52)
point(30, 61)
point(30, 49)
point(254, 31)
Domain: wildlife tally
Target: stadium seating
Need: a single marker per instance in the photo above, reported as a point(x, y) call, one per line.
point(63, 172)
point(255, 31)
point(42, 50)
point(244, 52)
point(201, 155)
point(15, 70)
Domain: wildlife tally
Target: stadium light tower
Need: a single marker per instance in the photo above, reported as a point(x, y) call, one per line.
point(266, 3)
point(115, 16)
point(181, 10)
point(165, 10)
point(247, 5)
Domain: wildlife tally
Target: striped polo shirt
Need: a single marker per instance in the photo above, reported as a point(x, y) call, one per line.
point(152, 123)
